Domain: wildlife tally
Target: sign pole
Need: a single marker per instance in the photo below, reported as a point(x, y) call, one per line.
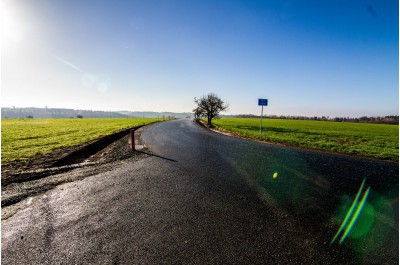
point(262, 102)
point(262, 109)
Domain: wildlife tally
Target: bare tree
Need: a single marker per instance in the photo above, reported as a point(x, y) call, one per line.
point(198, 113)
point(209, 106)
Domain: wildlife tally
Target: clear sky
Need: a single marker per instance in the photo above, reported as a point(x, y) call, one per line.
point(332, 58)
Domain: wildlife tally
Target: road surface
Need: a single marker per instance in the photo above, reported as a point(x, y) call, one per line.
point(206, 198)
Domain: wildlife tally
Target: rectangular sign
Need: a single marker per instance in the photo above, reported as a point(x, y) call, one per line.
point(262, 102)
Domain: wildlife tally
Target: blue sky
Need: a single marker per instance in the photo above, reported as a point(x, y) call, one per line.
point(332, 58)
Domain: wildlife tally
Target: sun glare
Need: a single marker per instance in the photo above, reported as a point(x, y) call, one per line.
point(10, 26)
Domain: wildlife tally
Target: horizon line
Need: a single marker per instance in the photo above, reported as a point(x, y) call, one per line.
point(186, 112)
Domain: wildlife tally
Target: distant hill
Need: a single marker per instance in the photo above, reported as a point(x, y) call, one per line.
point(71, 113)
point(152, 114)
point(56, 113)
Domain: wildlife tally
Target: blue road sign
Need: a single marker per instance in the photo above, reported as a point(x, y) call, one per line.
point(262, 102)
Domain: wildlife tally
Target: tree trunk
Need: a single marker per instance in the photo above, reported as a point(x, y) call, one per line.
point(209, 120)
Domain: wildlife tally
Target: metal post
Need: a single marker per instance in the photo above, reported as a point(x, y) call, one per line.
point(133, 139)
point(262, 109)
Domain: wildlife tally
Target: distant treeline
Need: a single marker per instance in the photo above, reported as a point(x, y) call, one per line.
point(394, 119)
point(56, 113)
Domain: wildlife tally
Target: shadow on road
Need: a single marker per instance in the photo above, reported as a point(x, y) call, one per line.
point(157, 156)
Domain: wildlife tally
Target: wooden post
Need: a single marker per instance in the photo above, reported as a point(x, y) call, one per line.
point(133, 139)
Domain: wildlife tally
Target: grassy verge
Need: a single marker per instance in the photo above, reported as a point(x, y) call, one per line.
point(371, 140)
point(24, 138)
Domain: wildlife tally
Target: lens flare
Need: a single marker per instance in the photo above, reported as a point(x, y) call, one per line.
point(349, 212)
point(68, 64)
point(354, 216)
point(102, 87)
point(88, 80)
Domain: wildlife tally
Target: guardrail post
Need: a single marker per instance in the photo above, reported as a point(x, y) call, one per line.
point(133, 139)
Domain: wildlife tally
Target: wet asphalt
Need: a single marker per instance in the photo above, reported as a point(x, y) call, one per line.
point(206, 198)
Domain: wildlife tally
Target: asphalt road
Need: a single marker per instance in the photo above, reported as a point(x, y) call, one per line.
point(206, 198)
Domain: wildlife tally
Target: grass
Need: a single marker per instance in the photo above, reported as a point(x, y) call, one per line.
point(370, 140)
point(24, 138)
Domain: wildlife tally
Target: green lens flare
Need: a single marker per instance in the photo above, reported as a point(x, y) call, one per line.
point(349, 212)
point(365, 221)
point(355, 216)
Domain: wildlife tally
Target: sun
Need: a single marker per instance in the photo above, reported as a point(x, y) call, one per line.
point(11, 30)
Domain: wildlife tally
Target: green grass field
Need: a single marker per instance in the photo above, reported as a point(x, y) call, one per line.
point(370, 140)
point(24, 138)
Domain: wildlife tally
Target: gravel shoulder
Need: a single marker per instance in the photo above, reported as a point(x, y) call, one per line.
point(25, 182)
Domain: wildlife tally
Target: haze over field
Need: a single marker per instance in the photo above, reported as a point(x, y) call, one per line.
point(311, 58)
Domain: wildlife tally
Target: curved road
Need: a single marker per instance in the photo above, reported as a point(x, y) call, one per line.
point(206, 198)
